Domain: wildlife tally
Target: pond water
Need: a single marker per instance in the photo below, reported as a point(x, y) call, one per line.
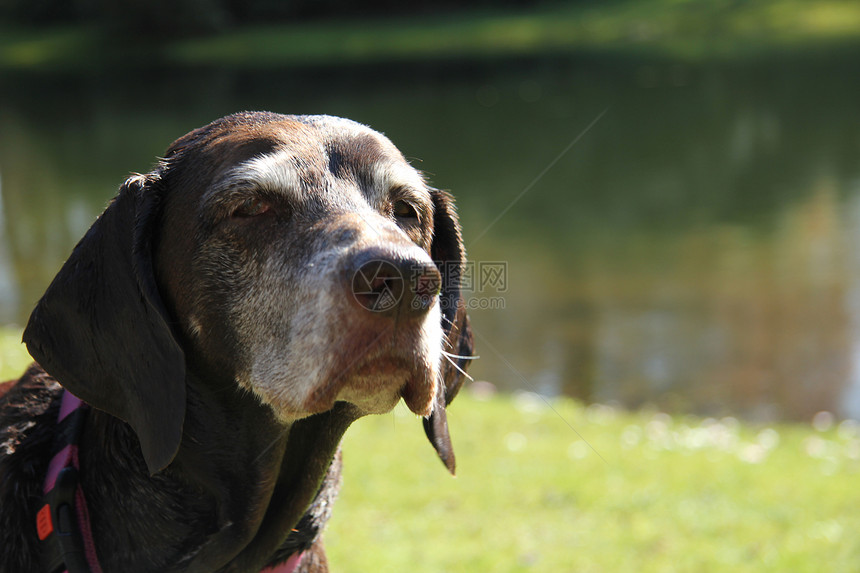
point(643, 232)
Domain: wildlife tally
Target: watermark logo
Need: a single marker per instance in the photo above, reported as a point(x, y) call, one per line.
point(493, 275)
point(481, 283)
point(490, 283)
point(377, 285)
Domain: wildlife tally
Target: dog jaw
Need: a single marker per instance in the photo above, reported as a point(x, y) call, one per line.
point(373, 369)
point(320, 348)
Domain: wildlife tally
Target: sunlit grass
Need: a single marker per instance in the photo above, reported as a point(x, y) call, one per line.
point(13, 354)
point(664, 494)
point(686, 29)
point(558, 486)
point(682, 29)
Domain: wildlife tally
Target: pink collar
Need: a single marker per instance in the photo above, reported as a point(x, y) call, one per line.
point(63, 523)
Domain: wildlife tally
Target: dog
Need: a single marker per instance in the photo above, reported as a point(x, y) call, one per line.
point(210, 339)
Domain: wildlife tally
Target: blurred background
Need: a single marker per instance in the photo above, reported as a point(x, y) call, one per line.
point(661, 198)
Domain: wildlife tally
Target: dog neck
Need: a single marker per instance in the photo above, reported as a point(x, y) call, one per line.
point(239, 481)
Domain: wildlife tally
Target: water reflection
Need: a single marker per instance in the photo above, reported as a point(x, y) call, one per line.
point(9, 297)
point(697, 248)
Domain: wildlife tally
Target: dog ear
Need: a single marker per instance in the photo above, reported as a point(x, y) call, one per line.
point(450, 256)
point(101, 328)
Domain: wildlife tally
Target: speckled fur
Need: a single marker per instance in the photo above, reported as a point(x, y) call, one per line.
point(23, 463)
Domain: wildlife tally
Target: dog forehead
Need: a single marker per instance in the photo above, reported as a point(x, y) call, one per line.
point(353, 149)
point(300, 152)
point(234, 138)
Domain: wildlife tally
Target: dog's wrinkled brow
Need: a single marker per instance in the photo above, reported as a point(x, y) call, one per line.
point(396, 175)
point(284, 173)
point(274, 173)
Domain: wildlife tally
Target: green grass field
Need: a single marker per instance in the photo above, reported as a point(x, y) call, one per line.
point(558, 486)
point(13, 354)
point(682, 29)
point(664, 494)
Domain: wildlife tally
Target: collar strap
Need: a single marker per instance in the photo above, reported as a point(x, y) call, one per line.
point(287, 566)
point(63, 522)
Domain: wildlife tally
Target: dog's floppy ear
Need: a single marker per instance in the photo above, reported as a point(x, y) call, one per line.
point(102, 331)
point(450, 256)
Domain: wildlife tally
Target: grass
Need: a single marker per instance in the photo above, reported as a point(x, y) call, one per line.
point(664, 494)
point(685, 29)
point(13, 354)
point(681, 29)
point(558, 486)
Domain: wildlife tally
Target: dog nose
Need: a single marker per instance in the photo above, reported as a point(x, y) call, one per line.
point(392, 284)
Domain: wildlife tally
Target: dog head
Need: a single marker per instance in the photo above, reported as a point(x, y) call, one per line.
point(301, 257)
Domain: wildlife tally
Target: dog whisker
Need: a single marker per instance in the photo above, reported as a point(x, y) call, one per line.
point(454, 364)
point(461, 357)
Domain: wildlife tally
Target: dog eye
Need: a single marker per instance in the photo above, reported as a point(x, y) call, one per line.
point(404, 210)
point(251, 207)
